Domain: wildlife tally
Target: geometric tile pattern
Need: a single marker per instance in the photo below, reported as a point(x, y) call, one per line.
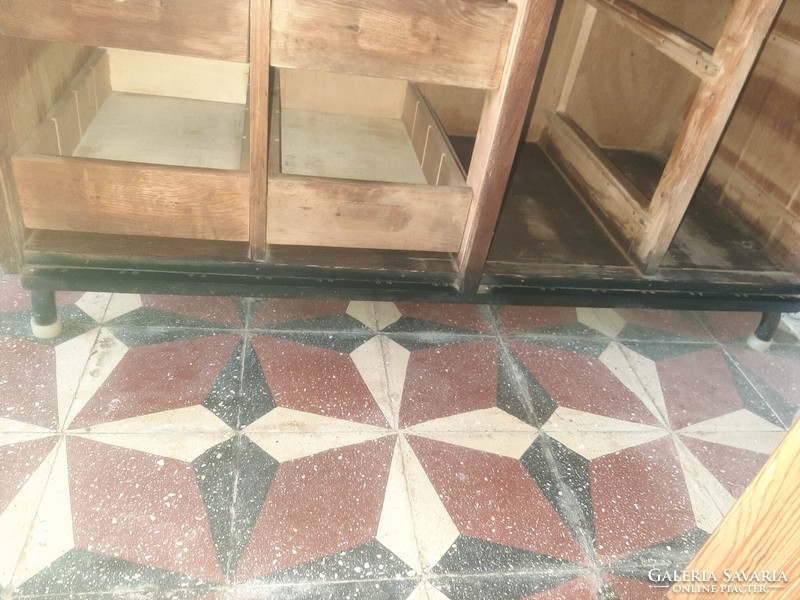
point(237, 448)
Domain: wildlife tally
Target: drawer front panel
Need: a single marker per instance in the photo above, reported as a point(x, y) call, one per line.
point(75, 194)
point(452, 42)
point(355, 214)
point(205, 28)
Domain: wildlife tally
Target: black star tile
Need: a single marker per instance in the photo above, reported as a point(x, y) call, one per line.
point(83, 572)
point(565, 330)
point(338, 323)
point(633, 332)
point(412, 325)
point(256, 397)
point(343, 342)
point(240, 394)
point(584, 346)
point(471, 556)
point(152, 317)
point(663, 351)
point(370, 571)
point(764, 402)
point(234, 478)
point(147, 336)
point(503, 586)
point(74, 322)
point(673, 554)
point(563, 477)
point(510, 397)
point(516, 376)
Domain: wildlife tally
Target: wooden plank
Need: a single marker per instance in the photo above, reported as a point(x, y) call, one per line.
point(459, 42)
point(439, 165)
point(274, 152)
point(496, 143)
point(47, 247)
point(29, 85)
point(205, 28)
point(581, 40)
point(751, 536)
point(259, 126)
point(179, 76)
point(67, 122)
point(76, 194)
point(340, 94)
point(678, 45)
point(101, 73)
point(742, 38)
point(619, 205)
point(357, 214)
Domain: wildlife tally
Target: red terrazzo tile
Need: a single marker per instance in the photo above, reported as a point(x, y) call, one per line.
point(274, 311)
point(697, 386)
point(494, 498)
point(28, 382)
point(450, 379)
point(639, 498)
point(140, 507)
point(157, 378)
point(217, 309)
point(582, 382)
point(316, 380)
point(318, 506)
point(460, 316)
point(521, 319)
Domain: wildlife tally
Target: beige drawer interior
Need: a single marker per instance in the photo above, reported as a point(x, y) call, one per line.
point(361, 162)
point(142, 143)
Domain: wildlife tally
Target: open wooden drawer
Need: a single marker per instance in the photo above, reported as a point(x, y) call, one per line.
point(361, 162)
point(142, 144)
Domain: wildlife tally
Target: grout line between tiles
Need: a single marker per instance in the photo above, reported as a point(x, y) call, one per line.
point(752, 385)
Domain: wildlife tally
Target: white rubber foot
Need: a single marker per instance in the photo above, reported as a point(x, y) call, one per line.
point(757, 344)
point(46, 332)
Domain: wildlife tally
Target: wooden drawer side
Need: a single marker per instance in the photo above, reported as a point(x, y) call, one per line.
point(205, 28)
point(457, 42)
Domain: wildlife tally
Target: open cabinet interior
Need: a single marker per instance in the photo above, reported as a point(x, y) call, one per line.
point(383, 157)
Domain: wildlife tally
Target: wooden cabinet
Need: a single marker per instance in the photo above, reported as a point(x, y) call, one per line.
point(276, 147)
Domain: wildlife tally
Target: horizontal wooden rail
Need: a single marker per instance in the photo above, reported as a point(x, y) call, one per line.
point(458, 42)
point(618, 204)
point(678, 45)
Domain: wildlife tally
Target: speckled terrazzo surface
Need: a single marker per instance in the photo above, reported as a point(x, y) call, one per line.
point(227, 448)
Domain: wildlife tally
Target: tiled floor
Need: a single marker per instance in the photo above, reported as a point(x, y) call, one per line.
point(222, 448)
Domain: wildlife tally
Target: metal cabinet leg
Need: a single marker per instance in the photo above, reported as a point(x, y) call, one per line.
point(761, 340)
point(45, 322)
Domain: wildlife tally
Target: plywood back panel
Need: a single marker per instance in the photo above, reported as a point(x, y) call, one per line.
point(627, 95)
point(342, 94)
point(178, 76)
